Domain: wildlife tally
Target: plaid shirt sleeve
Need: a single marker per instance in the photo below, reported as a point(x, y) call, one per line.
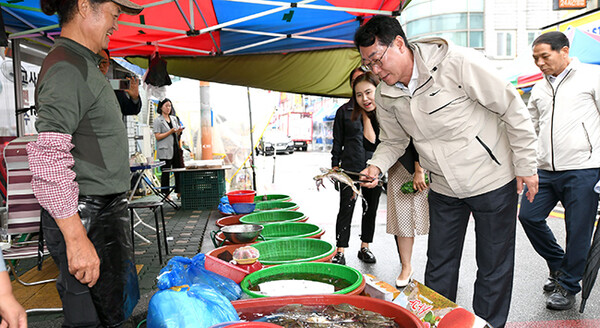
point(53, 180)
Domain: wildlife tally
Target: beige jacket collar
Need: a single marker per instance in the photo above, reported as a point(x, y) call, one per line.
point(427, 53)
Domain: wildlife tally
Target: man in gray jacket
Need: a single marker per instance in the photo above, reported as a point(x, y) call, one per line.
point(475, 137)
point(565, 109)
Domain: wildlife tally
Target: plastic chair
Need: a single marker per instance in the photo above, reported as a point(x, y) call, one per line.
point(23, 212)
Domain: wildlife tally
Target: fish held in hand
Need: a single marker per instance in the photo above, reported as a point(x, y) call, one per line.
point(338, 176)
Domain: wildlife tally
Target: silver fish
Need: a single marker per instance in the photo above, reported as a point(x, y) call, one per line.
point(341, 177)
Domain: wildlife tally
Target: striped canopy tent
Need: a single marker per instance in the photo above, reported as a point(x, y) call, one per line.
point(583, 45)
point(294, 46)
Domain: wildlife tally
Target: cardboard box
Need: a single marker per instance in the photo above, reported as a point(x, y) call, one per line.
point(435, 310)
point(379, 289)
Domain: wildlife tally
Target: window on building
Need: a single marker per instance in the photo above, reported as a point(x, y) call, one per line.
point(531, 35)
point(476, 39)
point(505, 43)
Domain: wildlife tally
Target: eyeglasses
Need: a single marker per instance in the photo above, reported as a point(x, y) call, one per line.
point(377, 62)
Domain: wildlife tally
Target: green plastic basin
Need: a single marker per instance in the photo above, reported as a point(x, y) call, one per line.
point(267, 217)
point(276, 205)
point(347, 279)
point(280, 230)
point(293, 250)
point(270, 197)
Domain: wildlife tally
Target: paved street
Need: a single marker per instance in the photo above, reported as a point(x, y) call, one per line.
point(293, 176)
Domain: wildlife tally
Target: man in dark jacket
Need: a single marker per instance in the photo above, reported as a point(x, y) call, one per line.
point(129, 99)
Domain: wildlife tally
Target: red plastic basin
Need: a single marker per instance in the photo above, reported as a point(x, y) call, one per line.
point(241, 196)
point(229, 220)
point(249, 308)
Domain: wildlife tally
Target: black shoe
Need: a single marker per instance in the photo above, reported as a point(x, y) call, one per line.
point(550, 284)
point(366, 256)
point(339, 259)
point(560, 299)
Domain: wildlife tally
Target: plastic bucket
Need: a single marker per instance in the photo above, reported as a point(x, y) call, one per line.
point(251, 309)
point(293, 250)
point(241, 196)
point(270, 197)
point(350, 280)
point(276, 205)
point(267, 217)
point(280, 230)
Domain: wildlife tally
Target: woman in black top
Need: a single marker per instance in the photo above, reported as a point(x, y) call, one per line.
point(355, 137)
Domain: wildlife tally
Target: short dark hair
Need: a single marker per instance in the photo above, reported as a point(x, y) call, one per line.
point(358, 69)
point(383, 28)
point(107, 53)
point(367, 77)
point(161, 103)
point(65, 9)
point(556, 40)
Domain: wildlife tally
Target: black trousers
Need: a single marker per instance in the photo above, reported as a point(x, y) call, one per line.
point(110, 302)
point(344, 218)
point(165, 177)
point(495, 215)
point(575, 190)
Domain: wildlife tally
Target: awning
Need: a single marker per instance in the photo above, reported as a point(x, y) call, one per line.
point(304, 46)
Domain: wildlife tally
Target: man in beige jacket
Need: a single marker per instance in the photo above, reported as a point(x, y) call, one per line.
point(473, 134)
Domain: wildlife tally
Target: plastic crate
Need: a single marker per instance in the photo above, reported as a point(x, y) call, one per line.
point(201, 189)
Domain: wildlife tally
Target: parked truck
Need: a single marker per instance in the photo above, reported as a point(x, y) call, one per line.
point(299, 126)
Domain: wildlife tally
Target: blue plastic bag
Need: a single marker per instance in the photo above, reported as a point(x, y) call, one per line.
point(181, 271)
point(226, 208)
point(184, 307)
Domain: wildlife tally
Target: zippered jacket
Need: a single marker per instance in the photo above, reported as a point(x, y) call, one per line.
point(470, 127)
point(566, 118)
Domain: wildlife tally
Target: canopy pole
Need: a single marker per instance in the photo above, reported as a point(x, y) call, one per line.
point(205, 123)
point(206, 25)
point(18, 86)
point(183, 15)
point(251, 142)
point(303, 4)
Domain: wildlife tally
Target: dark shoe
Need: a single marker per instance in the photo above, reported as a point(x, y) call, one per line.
point(339, 259)
point(550, 284)
point(366, 256)
point(560, 299)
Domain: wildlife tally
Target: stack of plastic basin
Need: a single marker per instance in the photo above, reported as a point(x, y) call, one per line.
point(294, 250)
point(280, 230)
point(271, 197)
point(276, 205)
point(267, 217)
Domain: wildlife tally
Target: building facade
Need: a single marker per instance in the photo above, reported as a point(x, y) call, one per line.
point(502, 29)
